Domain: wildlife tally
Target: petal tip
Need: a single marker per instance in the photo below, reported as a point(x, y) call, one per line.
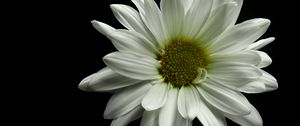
point(83, 85)
point(147, 107)
point(114, 6)
point(106, 115)
point(272, 87)
point(267, 22)
point(94, 21)
point(106, 59)
point(271, 38)
point(263, 22)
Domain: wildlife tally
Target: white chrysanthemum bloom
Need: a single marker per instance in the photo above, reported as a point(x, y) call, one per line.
point(187, 59)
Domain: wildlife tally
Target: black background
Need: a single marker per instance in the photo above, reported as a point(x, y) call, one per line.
point(62, 48)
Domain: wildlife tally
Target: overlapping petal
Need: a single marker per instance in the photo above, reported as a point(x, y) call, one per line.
point(224, 99)
point(150, 118)
point(134, 42)
point(264, 84)
point(209, 116)
point(156, 97)
point(218, 22)
point(173, 16)
point(233, 75)
point(196, 17)
point(252, 119)
point(131, 19)
point(125, 100)
point(239, 4)
point(124, 120)
point(132, 66)
point(188, 102)
point(168, 113)
point(261, 43)
point(106, 80)
point(240, 36)
point(152, 17)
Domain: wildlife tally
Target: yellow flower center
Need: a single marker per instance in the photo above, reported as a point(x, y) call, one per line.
point(181, 61)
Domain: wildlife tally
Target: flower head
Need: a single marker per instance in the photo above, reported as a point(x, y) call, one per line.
point(185, 60)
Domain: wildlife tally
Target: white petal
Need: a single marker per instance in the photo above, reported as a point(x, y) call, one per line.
point(124, 101)
point(103, 28)
point(196, 16)
point(251, 57)
point(247, 57)
point(224, 99)
point(134, 114)
point(168, 113)
point(181, 121)
point(260, 44)
point(173, 16)
point(233, 75)
point(240, 36)
point(265, 59)
point(131, 19)
point(132, 66)
point(132, 41)
point(106, 80)
point(269, 81)
point(128, 17)
point(150, 118)
point(153, 20)
point(236, 13)
point(156, 97)
point(140, 5)
point(210, 117)
point(253, 119)
point(218, 22)
point(84, 84)
point(188, 102)
point(265, 83)
point(187, 4)
point(253, 87)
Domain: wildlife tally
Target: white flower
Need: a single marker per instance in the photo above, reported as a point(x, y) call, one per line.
point(187, 59)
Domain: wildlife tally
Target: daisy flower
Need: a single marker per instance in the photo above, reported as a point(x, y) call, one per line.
point(183, 60)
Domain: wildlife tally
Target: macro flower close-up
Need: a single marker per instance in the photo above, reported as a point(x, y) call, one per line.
point(183, 60)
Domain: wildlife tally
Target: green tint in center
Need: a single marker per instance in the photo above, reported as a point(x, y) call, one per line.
point(181, 60)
